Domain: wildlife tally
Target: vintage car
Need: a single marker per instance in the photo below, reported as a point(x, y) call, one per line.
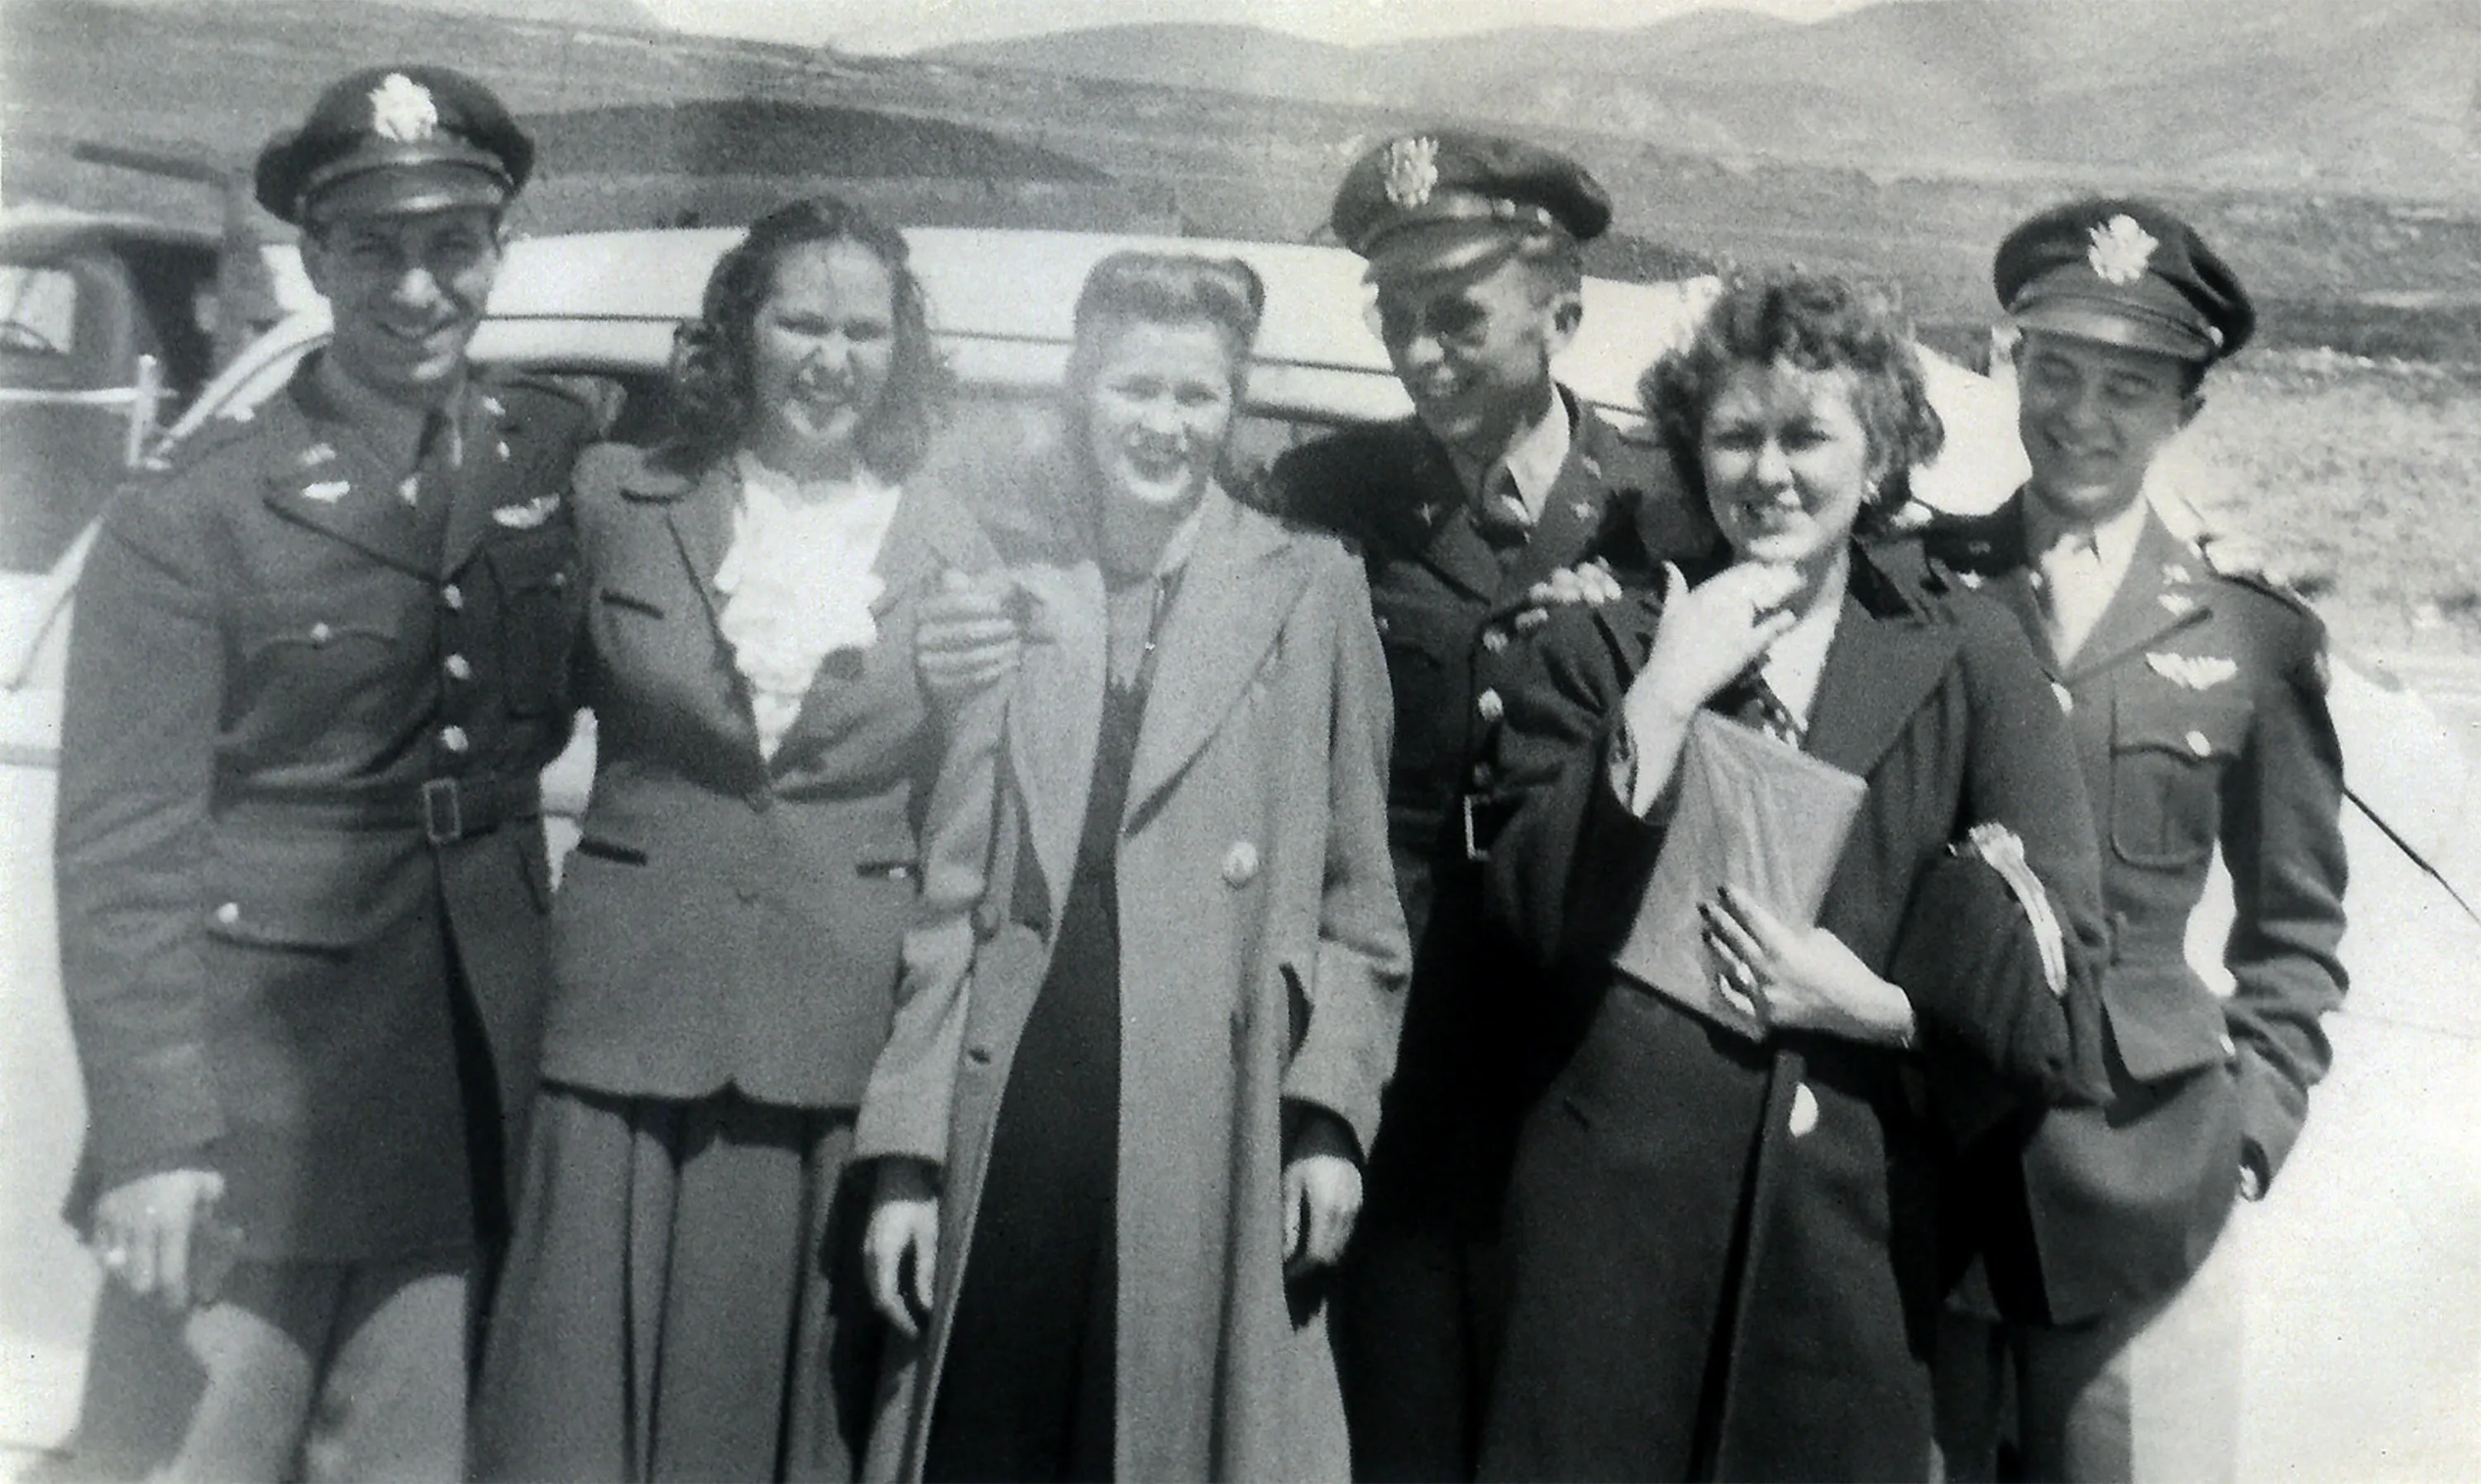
point(2388, 1160)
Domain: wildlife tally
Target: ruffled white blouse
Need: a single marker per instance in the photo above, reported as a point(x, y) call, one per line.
point(797, 584)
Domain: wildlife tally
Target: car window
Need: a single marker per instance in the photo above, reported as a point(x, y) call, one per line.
point(39, 305)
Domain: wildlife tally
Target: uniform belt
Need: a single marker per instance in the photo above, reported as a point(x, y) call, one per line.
point(1483, 817)
point(442, 811)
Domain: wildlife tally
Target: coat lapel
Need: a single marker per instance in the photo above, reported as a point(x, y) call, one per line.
point(1884, 660)
point(2158, 594)
point(1055, 715)
point(318, 478)
point(701, 518)
point(1572, 517)
point(1233, 602)
point(489, 488)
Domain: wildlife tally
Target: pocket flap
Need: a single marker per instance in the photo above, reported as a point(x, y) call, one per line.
point(303, 891)
point(2165, 1020)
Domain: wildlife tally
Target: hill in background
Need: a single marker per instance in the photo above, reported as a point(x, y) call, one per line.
point(2378, 95)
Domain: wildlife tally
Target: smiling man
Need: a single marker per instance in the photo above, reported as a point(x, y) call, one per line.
point(1498, 480)
point(2109, 1293)
point(318, 663)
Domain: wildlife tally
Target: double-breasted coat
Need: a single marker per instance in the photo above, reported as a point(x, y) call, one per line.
point(1263, 959)
point(1728, 1254)
point(731, 920)
point(301, 875)
point(2199, 710)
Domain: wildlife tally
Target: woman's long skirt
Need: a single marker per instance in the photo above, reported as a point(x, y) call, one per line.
point(683, 1296)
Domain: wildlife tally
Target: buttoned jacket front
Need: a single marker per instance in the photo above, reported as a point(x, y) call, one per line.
point(2198, 706)
point(1261, 962)
point(728, 920)
point(298, 838)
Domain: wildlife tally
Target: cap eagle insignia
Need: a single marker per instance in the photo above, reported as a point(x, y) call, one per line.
point(2122, 251)
point(1412, 170)
point(402, 110)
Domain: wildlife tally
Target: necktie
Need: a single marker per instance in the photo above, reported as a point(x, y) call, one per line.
point(1751, 701)
point(2074, 593)
point(1500, 516)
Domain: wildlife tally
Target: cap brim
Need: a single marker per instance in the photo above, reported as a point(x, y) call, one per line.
point(1434, 249)
point(387, 188)
point(2109, 322)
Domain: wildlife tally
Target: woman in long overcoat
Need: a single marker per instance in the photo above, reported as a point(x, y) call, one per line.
point(1116, 1211)
point(1729, 1246)
point(683, 1296)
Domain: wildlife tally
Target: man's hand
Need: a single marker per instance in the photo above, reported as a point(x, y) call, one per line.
point(144, 1229)
point(969, 634)
point(903, 1224)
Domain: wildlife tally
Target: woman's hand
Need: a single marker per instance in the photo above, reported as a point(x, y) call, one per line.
point(1802, 978)
point(969, 634)
point(145, 1231)
point(903, 1224)
point(1322, 1201)
point(1711, 634)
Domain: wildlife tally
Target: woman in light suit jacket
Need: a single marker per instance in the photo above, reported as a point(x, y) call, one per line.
point(1184, 1004)
point(770, 792)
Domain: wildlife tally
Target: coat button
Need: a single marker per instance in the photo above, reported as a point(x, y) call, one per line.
point(1490, 707)
point(459, 668)
point(228, 914)
point(1240, 864)
point(455, 739)
point(453, 597)
point(1494, 639)
point(1804, 1111)
point(321, 633)
point(2198, 745)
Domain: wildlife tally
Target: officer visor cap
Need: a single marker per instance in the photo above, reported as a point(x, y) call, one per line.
point(395, 142)
point(1447, 200)
point(2123, 272)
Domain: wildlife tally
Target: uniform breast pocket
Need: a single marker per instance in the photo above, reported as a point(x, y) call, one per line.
point(540, 613)
point(1425, 666)
point(2168, 755)
point(326, 642)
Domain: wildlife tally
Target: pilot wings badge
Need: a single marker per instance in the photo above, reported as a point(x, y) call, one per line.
point(402, 110)
point(2194, 672)
point(528, 516)
point(2122, 251)
point(1412, 170)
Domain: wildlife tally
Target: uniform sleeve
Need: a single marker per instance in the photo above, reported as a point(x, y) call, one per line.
point(138, 729)
point(1566, 872)
point(2283, 840)
point(1998, 1037)
point(1348, 1049)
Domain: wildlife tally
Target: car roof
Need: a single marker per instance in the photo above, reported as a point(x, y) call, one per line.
point(1001, 301)
point(42, 227)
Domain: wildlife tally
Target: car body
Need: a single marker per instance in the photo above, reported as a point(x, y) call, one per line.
point(602, 308)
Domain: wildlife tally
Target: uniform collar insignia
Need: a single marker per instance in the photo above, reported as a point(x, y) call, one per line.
point(494, 406)
point(1412, 170)
point(2178, 605)
point(1969, 578)
point(315, 455)
point(2178, 572)
point(328, 491)
point(2194, 672)
point(2122, 251)
point(402, 110)
point(1427, 512)
point(526, 516)
point(1583, 509)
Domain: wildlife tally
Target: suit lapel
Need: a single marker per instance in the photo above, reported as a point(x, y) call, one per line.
point(1571, 519)
point(700, 520)
point(2157, 595)
point(1233, 601)
point(488, 475)
point(1884, 660)
point(319, 477)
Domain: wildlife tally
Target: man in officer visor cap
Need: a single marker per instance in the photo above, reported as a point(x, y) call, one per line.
point(319, 661)
point(2107, 1296)
point(1502, 485)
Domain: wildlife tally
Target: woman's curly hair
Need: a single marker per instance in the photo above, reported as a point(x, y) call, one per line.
point(1814, 322)
point(713, 390)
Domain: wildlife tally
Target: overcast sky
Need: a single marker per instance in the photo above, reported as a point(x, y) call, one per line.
point(907, 25)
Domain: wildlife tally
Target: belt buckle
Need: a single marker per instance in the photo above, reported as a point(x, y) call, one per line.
point(1474, 852)
point(443, 810)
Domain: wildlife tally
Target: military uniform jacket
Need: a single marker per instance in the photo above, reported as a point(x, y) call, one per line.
point(1445, 606)
point(303, 887)
point(2199, 710)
